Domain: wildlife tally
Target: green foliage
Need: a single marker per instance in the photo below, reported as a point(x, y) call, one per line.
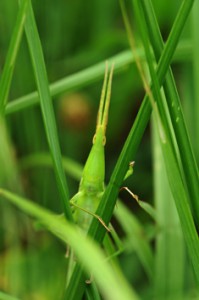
point(61, 57)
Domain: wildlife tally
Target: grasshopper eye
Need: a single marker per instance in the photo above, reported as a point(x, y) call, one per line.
point(104, 140)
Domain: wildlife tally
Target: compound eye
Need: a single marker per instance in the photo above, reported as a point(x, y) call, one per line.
point(104, 140)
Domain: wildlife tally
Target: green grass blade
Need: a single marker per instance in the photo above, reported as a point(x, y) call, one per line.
point(92, 292)
point(188, 160)
point(9, 173)
point(88, 76)
point(184, 212)
point(135, 237)
point(195, 65)
point(75, 81)
point(169, 263)
point(47, 107)
point(77, 285)
point(7, 73)
point(43, 159)
point(90, 255)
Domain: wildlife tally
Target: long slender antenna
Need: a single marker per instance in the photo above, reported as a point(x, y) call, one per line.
point(102, 118)
point(103, 97)
point(107, 101)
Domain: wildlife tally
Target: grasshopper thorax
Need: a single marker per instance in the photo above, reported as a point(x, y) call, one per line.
point(94, 171)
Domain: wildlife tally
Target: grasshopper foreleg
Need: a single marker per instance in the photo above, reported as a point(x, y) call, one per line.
point(130, 192)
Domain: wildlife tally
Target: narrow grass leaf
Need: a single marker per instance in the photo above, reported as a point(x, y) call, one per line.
point(169, 263)
point(136, 238)
point(195, 65)
point(71, 167)
point(47, 108)
point(8, 69)
point(90, 255)
point(75, 81)
point(92, 292)
point(90, 75)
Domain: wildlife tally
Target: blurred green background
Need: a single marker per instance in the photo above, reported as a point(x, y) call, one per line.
point(74, 35)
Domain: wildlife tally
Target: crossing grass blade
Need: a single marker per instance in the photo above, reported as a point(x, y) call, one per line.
point(7, 73)
point(74, 81)
point(169, 263)
point(136, 238)
point(88, 252)
point(195, 65)
point(89, 75)
point(47, 107)
point(71, 167)
point(92, 292)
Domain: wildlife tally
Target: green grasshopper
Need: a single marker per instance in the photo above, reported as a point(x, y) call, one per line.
point(91, 187)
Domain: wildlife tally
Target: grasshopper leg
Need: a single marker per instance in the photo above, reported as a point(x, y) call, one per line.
point(130, 192)
point(92, 214)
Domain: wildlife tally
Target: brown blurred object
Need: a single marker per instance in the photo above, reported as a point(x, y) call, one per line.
point(75, 111)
